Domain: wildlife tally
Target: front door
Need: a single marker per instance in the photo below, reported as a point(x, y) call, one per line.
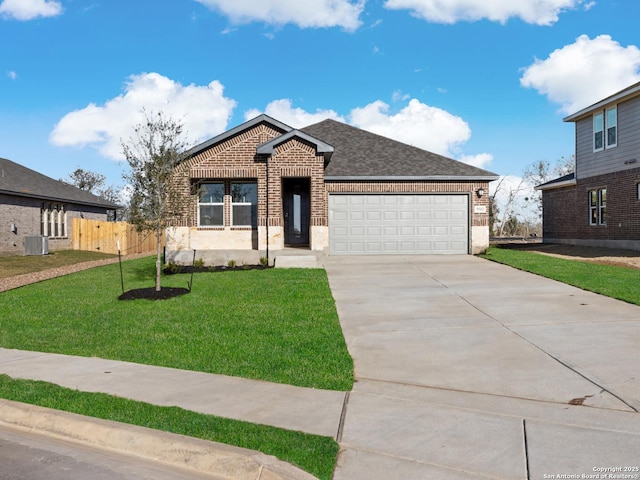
point(296, 206)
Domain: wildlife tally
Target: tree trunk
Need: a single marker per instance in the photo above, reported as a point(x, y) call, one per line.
point(158, 258)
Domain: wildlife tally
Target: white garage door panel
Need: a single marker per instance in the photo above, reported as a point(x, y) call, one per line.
point(366, 224)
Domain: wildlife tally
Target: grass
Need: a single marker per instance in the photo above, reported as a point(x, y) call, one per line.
point(314, 454)
point(613, 281)
point(278, 325)
point(18, 265)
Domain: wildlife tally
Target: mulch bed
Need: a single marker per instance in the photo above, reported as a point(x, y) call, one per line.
point(152, 294)
point(174, 269)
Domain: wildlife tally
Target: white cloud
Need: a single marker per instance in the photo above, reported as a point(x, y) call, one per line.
point(29, 9)
point(284, 111)
point(539, 12)
point(305, 14)
point(203, 110)
point(417, 124)
point(582, 73)
point(399, 96)
point(481, 160)
point(12, 75)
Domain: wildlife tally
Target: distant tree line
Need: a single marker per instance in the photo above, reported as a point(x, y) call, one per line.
point(520, 211)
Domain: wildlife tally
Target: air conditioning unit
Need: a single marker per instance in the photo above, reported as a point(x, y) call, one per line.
point(36, 245)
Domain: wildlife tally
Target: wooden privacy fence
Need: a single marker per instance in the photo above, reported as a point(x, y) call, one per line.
point(94, 235)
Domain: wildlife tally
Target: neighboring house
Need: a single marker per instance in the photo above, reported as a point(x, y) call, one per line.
point(599, 204)
point(330, 187)
point(32, 204)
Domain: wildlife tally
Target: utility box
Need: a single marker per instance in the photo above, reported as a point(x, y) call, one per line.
point(36, 245)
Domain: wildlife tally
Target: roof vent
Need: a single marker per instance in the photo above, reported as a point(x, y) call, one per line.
point(36, 245)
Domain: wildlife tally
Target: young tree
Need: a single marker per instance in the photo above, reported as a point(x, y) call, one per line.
point(157, 147)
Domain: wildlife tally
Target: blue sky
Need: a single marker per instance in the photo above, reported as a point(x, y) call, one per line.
point(483, 81)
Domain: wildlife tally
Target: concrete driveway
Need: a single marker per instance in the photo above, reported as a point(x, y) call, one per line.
point(470, 369)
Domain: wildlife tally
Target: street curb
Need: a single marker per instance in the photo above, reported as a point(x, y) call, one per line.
point(203, 456)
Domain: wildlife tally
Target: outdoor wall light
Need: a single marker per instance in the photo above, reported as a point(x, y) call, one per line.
point(480, 192)
point(13, 228)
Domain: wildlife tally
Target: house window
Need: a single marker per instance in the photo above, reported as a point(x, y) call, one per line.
point(211, 205)
point(598, 132)
point(53, 221)
point(598, 207)
point(605, 129)
point(244, 204)
point(612, 127)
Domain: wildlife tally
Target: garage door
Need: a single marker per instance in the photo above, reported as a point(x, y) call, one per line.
point(378, 224)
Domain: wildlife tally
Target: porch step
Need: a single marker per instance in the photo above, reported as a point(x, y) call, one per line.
point(296, 261)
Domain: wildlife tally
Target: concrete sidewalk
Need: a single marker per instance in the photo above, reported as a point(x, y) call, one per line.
point(293, 408)
point(285, 406)
point(470, 369)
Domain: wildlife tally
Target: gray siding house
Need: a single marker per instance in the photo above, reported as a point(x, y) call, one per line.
point(599, 204)
point(32, 204)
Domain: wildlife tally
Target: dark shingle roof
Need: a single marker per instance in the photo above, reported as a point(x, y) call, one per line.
point(24, 182)
point(563, 181)
point(359, 153)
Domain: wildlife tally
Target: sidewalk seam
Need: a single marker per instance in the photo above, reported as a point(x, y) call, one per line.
point(343, 416)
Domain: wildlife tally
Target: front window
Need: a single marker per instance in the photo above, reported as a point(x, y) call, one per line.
point(598, 132)
point(211, 204)
point(612, 127)
point(598, 207)
point(244, 204)
point(605, 129)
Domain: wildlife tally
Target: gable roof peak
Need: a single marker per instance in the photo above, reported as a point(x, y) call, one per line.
point(260, 119)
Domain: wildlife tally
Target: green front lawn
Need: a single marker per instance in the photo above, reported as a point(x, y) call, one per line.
point(278, 325)
point(314, 454)
point(613, 281)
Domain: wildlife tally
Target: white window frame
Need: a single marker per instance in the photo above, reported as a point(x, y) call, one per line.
point(234, 204)
point(54, 221)
point(599, 208)
point(596, 131)
point(211, 204)
point(608, 119)
point(608, 126)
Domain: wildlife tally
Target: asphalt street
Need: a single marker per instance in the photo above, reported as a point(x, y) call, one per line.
point(29, 456)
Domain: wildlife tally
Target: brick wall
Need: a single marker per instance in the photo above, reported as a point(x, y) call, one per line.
point(25, 213)
point(236, 159)
point(477, 219)
point(566, 210)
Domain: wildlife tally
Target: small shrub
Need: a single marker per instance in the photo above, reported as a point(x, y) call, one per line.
point(199, 263)
point(172, 267)
point(232, 263)
point(264, 261)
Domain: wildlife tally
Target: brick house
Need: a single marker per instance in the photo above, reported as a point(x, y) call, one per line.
point(599, 204)
point(330, 187)
point(32, 204)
